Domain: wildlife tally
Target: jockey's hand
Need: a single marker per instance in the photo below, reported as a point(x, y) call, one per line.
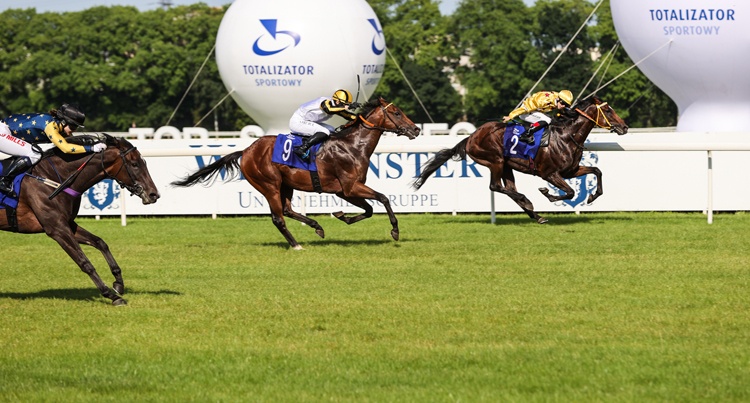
point(98, 147)
point(506, 119)
point(355, 105)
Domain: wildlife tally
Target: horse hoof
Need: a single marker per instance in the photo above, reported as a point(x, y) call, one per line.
point(338, 214)
point(320, 233)
point(298, 247)
point(542, 220)
point(119, 288)
point(119, 302)
point(394, 234)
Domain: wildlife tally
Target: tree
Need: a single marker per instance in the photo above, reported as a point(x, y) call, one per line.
point(121, 66)
point(416, 38)
point(492, 55)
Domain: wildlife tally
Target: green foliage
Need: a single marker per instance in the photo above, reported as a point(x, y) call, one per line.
point(124, 67)
point(591, 307)
point(121, 66)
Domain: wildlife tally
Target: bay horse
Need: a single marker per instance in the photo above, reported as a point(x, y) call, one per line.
point(36, 212)
point(342, 163)
point(554, 163)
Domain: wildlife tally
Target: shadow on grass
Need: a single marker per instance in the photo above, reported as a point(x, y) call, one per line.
point(77, 294)
point(341, 242)
point(554, 219)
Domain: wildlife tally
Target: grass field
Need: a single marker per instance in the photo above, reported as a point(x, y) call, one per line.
point(616, 307)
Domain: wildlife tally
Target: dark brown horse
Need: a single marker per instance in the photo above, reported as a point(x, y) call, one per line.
point(342, 164)
point(36, 213)
point(555, 163)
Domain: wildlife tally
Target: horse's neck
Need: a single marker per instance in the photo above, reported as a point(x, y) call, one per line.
point(366, 140)
point(581, 128)
point(56, 168)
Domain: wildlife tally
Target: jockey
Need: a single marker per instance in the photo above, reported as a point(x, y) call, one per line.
point(308, 120)
point(534, 109)
point(20, 134)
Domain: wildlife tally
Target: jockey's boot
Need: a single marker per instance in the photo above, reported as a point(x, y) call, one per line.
point(18, 165)
point(303, 151)
point(528, 137)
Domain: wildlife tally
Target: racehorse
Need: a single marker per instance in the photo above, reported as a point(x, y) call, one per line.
point(342, 163)
point(36, 212)
point(554, 163)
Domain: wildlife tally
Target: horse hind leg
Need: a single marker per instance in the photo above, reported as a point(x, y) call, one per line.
point(509, 189)
point(287, 193)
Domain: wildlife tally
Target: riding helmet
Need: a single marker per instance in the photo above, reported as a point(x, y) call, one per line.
point(71, 115)
point(566, 96)
point(343, 96)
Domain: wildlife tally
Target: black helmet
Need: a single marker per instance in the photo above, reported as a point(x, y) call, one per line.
point(71, 116)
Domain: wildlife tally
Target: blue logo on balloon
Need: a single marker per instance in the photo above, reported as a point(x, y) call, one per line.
point(271, 27)
point(378, 35)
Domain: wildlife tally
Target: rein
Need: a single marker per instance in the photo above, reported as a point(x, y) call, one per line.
point(133, 189)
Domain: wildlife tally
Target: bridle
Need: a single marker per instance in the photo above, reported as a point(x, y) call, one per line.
point(400, 130)
point(599, 114)
point(136, 188)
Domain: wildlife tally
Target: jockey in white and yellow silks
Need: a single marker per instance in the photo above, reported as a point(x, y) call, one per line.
point(20, 133)
point(534, 110)
point(307, 120)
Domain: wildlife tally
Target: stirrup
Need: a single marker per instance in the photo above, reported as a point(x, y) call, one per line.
point(8, 189)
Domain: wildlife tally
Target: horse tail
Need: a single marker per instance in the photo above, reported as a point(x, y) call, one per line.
point(457, 153)
point(209, 173)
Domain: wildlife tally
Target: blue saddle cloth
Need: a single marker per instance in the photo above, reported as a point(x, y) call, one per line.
point(514, 148)
point(283, 152)
point(7, 201)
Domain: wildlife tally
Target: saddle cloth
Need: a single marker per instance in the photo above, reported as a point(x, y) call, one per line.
point(514, 148)
point(283, 152)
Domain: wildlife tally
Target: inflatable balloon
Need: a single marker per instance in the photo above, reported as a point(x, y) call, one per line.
point(696, 51)
point(276, 55)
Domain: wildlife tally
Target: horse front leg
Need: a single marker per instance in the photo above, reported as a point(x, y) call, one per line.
point(357, 196)
point(582, 170)
point(87, 238)
point(557, 180)
point(69, 244)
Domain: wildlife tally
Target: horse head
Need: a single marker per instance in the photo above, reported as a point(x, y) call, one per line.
point(383, 115)
point(122, 162)
point(601, 114)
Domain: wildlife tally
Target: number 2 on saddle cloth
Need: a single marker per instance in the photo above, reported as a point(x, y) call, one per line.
point(514, 148)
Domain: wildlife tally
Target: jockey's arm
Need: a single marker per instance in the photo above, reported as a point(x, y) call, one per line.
point(339, 110)
point(52, 130)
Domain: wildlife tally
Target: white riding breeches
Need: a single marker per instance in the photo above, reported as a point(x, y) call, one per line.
point(535, 117)
point(307, 128)
point(14, 146)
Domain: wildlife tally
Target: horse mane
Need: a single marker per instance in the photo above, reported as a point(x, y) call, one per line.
point(365, 110)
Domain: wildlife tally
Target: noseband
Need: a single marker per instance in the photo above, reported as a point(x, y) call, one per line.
point(136, 188)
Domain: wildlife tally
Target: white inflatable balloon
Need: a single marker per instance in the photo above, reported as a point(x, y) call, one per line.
point(276, 55)
point(704, 67)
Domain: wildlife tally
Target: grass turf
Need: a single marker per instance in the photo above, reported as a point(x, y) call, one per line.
point(592, 307)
